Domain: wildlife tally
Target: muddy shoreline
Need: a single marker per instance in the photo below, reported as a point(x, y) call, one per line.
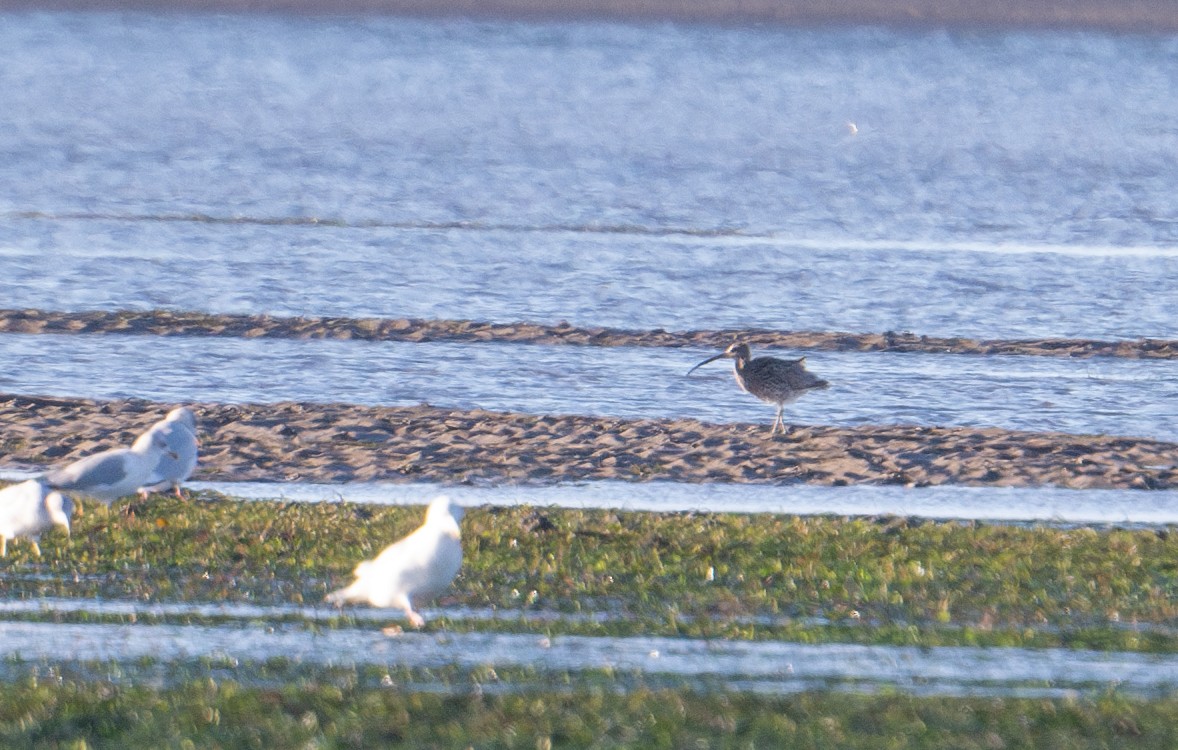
point(169, 323)
point(344, 443)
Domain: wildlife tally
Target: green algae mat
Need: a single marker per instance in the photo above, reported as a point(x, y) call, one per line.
point(557, 572)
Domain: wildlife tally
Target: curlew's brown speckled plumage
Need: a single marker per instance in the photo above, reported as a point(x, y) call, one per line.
point(775, 381)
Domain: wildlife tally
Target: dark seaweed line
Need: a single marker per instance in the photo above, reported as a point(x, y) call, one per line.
point(180, 323)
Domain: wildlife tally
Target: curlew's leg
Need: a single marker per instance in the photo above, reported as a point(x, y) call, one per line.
point(778, 421)
point(180, 493)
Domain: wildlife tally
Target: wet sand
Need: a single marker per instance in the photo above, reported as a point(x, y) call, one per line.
point(1152, 16)
point(342, 443)
point(168, 323)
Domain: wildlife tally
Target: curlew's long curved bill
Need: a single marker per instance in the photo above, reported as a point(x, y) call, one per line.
point(709, 359)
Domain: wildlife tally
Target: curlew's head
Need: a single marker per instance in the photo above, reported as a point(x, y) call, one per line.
point(738, 351)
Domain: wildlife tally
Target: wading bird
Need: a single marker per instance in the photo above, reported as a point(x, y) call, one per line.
point(775, 381)
point(419, 566)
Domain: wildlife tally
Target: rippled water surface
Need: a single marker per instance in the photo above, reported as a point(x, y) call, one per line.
point(982, 184)
point(1111, 396)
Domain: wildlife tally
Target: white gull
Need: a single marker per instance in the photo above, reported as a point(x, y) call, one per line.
point(113, 473)
point(419, 566)
point(179, 428)
point(29, 509)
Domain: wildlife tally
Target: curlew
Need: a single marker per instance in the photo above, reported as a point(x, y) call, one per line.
point(774, 381)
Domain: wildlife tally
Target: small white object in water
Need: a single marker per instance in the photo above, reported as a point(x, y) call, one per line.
point(179, 429)
point(28, 509)
point(109, 475)
point(419, 566)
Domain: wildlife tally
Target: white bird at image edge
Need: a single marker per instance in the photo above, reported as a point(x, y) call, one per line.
point(28, 509)
point(420, 566)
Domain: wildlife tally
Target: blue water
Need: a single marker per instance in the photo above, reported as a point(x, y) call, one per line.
point(1023, 505)
point(1097, 396)
point(993, 185)
point(979, 184)
point(1054, 506)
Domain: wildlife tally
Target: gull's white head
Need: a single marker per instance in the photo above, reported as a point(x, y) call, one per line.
point(442, 508)
point(60, 508)
point(184, 416)
point(154, 440)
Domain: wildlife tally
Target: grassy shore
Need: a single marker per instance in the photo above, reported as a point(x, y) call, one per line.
point(884, 580)
point(206, 713)
point(809, 579)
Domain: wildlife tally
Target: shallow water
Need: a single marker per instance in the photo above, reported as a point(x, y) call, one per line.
point(364, 616)
point(763, 666)
point(1137, 398)
point(591, 278)
point(241, 611)
point(993, 185)
point(1017, 505)
point(1051, 505)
